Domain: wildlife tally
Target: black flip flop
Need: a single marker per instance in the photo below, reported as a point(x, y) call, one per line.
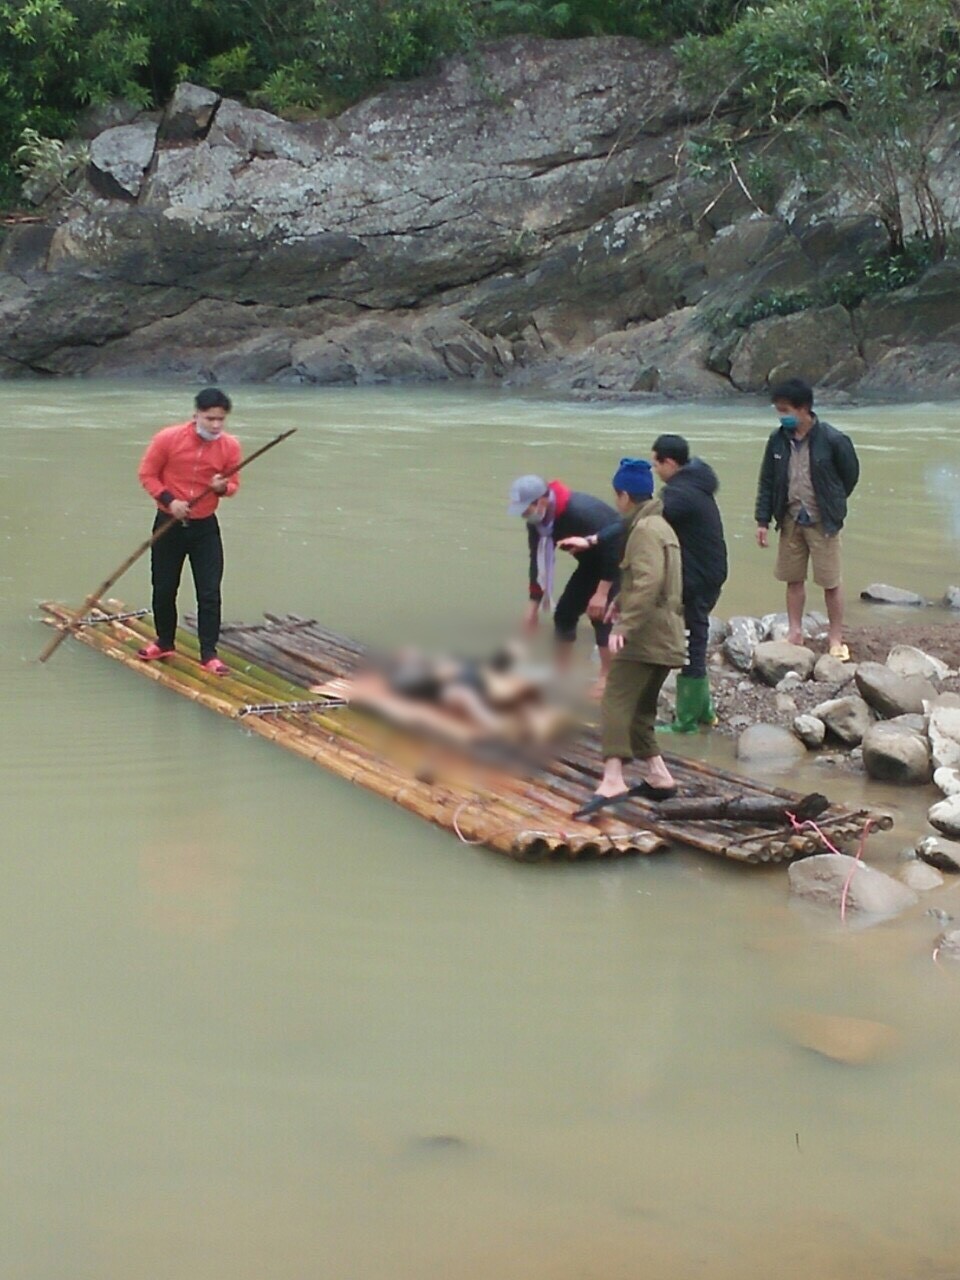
point(657, 794)
point(600, 802)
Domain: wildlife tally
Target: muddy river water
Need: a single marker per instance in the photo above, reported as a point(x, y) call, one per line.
point(259, 1025)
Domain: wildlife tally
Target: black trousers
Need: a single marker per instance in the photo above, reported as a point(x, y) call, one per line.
point(697, 607)
point(198, 541)
point(572, 605)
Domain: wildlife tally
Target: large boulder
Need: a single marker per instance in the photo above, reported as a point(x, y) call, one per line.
point(774, 659)
point(945, 816)
point(907, 660)
point(881, 593)
point(742, 638)
point(951, 598)
point(189, 113)
point(807, 345)
point(890, 694)
point(769, 746)
point(895, 753)
point(823, 878)
point(846, 718)
point(120, 157)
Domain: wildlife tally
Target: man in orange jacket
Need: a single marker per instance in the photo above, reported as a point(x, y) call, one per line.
point(179, 464)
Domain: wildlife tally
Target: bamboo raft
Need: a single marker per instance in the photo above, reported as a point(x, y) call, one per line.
point(525, 815)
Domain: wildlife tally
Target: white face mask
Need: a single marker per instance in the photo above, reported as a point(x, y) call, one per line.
point(205, 434)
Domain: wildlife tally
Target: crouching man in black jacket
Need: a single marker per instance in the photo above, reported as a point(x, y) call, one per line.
point(809, 470)
point(552, 512)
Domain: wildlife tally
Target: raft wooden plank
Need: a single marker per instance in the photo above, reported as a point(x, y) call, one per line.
point(286, 640)
point(524, 823)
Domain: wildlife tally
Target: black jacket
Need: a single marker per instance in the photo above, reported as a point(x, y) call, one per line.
point(834, 472)
point(690, 508)
point(581, 515)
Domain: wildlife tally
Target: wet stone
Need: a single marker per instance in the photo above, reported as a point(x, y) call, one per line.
point(945, 816)
point(948, 944)
point(846, 718)
point(907, 660)
point(823, 878)
point(881, 593)
point(775, 659)
point(895, 753)
point(769, 746)
point(828, 670)
point(940, 853)
point(810, 730)
point(890, 694)
point(920, 877)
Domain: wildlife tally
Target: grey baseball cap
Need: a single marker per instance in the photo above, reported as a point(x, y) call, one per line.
point(524, 491)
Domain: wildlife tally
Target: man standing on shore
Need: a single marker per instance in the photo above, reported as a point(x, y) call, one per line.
point(809, 470)
point(552, 512)
point(179, 464)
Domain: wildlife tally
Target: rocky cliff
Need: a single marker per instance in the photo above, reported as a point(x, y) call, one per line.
point(523, 215)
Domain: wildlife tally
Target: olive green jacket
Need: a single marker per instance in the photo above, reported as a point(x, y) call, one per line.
point(651, 590)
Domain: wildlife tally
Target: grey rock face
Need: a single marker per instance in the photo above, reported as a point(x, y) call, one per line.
point(821, 879)
point(894, 753)
point(769, 746)
point(120, 157)
point(881, 593)
point(774, 659)
point(807, 345)
point(531, 192)
point(890, 694)
point(846, 718)
point(742, 639)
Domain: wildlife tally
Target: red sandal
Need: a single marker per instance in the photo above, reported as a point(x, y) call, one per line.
point(215, 667)
point(151, 652)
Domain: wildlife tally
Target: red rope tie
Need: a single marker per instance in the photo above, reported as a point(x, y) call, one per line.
point(810, 825)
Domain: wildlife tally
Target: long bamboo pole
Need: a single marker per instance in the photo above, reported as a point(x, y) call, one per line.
point(96, 596)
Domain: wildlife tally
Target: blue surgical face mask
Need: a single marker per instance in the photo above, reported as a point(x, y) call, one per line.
point(789, 422)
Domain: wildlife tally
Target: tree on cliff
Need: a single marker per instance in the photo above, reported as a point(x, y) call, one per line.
point(843, 93)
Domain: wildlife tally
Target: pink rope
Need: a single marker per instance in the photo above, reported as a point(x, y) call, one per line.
point(456, 824)
point(810, 825)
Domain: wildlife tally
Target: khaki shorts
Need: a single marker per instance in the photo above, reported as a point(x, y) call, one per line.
point(800, 543)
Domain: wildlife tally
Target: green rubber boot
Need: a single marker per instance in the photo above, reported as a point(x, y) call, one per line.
point(691, 705)
point(708, 712)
